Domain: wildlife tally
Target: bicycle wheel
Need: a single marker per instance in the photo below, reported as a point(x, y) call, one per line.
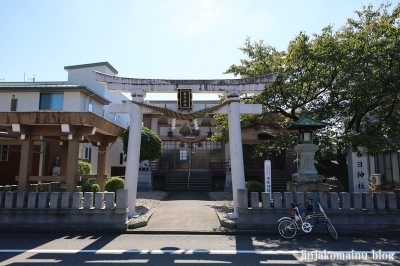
point(287, 228)
point(331, 230)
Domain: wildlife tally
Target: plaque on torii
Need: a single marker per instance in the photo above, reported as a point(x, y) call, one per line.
point(231, 88)
point(185, 99)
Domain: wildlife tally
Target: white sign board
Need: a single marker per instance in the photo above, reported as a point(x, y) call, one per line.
point(267, 175)
point(358, 170)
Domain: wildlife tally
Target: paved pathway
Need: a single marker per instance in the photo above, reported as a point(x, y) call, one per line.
point(184, 211)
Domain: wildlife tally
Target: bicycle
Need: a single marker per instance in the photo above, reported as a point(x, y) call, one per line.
point(288, 226)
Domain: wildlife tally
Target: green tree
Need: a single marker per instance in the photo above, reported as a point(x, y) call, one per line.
point(84, 168)
point(347, 77)
point(151, 146)
point(87, 185)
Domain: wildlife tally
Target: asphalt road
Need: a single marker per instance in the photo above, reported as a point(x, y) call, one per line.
point(151, 249)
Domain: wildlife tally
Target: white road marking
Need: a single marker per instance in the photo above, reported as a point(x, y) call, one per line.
point(203, 261)
point(277, 262)
point(183, 251)
point(150, 251)
point(116, 261)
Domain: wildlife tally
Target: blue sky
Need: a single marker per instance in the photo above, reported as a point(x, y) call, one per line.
point(173, 39)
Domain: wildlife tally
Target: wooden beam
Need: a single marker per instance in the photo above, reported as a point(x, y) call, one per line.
point(72, 165)
point(101, 165)
point(18, 129)
point(36, 137)
point(25, 165)
point(68, 137)
point(49, 119)
point(10, 142)
point(101, 138)
point(80, 177)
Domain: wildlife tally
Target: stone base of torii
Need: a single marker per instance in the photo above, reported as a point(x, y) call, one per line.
point(231, 88)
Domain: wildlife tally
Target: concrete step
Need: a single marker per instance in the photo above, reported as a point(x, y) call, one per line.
point(178, 180)
point(278, 181)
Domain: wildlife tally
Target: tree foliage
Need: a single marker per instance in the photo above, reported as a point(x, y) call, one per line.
point(84, 168)
point(151, 146)
point(114, 183)
point(347, 77)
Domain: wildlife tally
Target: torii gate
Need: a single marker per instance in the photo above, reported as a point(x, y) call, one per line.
point(232, 88)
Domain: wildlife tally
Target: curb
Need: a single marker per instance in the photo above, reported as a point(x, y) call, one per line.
point(230, 225)
point(143, 223)
point(265, 232)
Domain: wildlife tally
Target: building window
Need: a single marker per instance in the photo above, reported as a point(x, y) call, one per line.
point(51, 101)
point(14, 103)
point(90, 107)
point(88, 154)
point(183, 155)
point(3, 153)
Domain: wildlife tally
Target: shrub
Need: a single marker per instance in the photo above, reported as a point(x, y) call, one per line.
point(254, 186)
point(114, 183)
point(89, 185)
point(84, 168)
point(95, 188)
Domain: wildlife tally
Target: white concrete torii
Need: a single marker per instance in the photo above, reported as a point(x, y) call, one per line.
point(232, 88)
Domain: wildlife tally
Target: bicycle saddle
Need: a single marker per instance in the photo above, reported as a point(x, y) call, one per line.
point(295, 204)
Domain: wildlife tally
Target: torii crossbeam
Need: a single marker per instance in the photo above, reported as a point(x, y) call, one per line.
point(231, 88)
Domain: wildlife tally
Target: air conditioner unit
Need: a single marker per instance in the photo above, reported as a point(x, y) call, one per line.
point(376, 179)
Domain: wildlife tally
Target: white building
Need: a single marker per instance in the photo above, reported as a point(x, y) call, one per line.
point(46, 105)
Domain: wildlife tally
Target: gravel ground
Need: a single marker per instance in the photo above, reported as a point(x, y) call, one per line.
point(223, 204)
point(147, 202)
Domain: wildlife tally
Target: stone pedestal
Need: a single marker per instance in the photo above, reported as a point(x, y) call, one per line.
point(228, 181)
point(306, 187)
point(307, 177)
point(145, 180)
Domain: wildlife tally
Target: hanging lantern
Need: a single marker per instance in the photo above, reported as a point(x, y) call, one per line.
point(181, 144)
point(206, 121)
point(209, 133)
point(199, 144)
point(185, 129)
point(162, 120)
point(170, 133)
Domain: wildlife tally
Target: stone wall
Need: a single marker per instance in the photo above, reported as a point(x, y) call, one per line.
point(349, 212)
point(63, 211)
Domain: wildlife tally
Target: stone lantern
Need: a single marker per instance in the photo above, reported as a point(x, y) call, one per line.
point(307, 177)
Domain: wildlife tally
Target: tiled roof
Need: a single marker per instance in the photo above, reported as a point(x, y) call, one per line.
point(307, 122)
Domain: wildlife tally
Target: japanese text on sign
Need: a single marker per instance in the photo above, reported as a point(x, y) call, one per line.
point(185, 99)
point(267, 175)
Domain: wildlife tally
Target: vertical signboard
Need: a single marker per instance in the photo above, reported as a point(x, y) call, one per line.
point(267, 177)
point(185, 101)
point(358, 170)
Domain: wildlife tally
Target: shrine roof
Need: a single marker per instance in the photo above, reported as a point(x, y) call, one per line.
point(306, 122)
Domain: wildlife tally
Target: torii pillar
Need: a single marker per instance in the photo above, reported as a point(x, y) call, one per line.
point(232, 88)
